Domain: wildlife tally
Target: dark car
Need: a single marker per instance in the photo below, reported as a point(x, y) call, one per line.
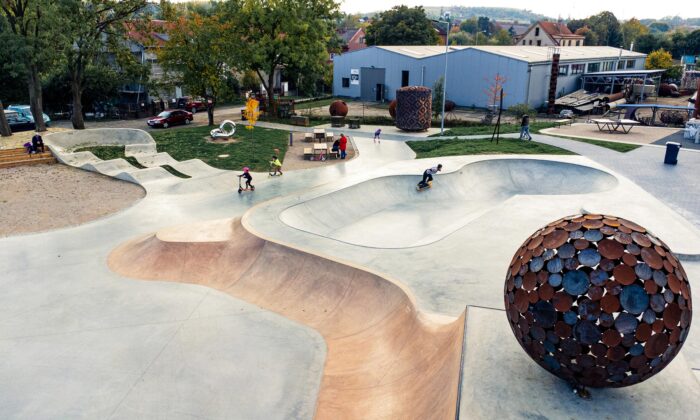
point(191, 104)
point(167, 118)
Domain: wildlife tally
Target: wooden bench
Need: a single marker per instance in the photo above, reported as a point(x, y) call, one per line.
point(564, 121)
point(308, 152)
point(300, 120)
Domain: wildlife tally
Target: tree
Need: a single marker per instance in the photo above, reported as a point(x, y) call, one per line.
point(461, 38)
point(692, 42)
point(270, 34)
point(4, 126)
point(402, 26)
point(631, 30)
point(659, 59)
point(576, 24)
point(197, 55)
point(438, 92)
point(493, 91)
point(469, 25)
point(95, 29)
point(484, 25)
point(678, 44)
point(607, 29)
point(27, 38)
point(591, 38)
point(502, 37)
point(659, 27)
point(650, 42)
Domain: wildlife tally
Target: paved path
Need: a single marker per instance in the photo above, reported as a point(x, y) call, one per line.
point(676, 185)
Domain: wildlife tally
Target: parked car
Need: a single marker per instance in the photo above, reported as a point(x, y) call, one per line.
point(167, 118)
point(566, 113)
point(192, 104)
point(18, 122)
point(26, 112)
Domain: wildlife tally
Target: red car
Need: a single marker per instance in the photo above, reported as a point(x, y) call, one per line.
point(167, 118)
point(191, 104)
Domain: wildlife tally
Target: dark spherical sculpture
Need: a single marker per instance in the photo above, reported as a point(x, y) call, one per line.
point(338, 109)
point(598, 301)
point(414, 108)
point(392, 109)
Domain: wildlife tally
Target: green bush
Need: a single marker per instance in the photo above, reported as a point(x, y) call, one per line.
point(519, 110)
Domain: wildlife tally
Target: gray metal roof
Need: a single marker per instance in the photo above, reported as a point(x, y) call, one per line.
point(525, 53)
point(624, 73)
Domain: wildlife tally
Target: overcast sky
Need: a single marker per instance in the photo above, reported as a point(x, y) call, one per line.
point(576, 9)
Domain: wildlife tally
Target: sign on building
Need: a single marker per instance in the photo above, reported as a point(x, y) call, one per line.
point(354, 76)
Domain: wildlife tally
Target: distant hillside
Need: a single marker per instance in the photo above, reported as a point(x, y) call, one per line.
point(494, 13)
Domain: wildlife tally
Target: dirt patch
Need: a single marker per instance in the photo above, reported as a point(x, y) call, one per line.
point(294, 158)
point(44, 197)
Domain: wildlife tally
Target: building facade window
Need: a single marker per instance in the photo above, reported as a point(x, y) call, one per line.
point(362, 40)
point(621, 65)
point(523, 42)
point(608, 65)
point(537, 31)
point(631, 64)
point(577, 68)
point(539, 42)
point(578, 43)
point(530, 42)
point(593, 67)
point(346, 82)
point(563, 70)
point(404, 78)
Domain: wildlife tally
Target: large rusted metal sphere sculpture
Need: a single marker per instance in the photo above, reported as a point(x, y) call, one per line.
point(338, 109)
point(392, 109)
point(598, 301)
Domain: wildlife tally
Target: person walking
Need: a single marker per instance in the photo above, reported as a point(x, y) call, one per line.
point(377, 134)
point(525, 128)
point(343, 145)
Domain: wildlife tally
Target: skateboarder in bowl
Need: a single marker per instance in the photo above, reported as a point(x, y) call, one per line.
point(428, 175)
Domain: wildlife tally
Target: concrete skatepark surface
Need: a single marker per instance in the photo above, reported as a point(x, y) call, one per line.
point(384, 360)
point(388, 212)
point(78, 340)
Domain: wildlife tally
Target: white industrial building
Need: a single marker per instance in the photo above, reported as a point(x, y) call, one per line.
point(374, 73)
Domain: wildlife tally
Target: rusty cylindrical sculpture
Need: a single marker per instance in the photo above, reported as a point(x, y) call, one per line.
point(392, 109)
point(598, 301)
point(413, 108)
point(338, 109)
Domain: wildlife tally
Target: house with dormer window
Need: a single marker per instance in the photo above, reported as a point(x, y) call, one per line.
point(550, 34)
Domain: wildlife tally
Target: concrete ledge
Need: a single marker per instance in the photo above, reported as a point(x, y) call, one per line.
point(501, 381)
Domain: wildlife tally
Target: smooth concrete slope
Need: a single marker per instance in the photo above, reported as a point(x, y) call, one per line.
point(388, 212)
point(500, 381)
point(385, 360)
point(137, 143)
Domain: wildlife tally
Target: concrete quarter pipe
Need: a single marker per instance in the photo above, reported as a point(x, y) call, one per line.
point(385, 359)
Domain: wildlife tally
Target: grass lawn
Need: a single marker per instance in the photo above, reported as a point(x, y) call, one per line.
point(190, 143)
point(488, 129)
point(612, 145)
point(457, 147)
point(316, 104)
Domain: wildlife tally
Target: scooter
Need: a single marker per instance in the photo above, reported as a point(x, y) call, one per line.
point(240, 187)
point(424, 186)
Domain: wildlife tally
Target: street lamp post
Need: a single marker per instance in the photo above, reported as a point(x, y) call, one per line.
point(446, 18)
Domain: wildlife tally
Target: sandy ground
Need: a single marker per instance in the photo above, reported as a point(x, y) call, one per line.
point(17, 140)
point(294, 158)
point(43, 197)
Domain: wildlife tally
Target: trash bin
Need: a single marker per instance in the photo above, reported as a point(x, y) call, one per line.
point(672, 149)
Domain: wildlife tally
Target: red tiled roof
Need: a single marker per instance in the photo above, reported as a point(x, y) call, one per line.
point(555, 28)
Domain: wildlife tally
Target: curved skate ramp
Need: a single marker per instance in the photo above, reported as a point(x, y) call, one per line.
point(388, 212)
point(385, 359)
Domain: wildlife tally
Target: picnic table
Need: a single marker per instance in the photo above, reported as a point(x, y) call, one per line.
point(612, 126)
point(319, 134)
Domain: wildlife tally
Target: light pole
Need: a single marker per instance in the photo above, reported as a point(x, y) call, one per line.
point(446, 18)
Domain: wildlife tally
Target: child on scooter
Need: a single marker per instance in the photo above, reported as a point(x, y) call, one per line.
point(276, 165)
point(248, 178)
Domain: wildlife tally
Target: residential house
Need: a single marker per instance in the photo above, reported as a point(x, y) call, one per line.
point(352, 39)
point(549, 34)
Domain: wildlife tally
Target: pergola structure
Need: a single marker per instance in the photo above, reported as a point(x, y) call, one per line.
point(615, 81)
